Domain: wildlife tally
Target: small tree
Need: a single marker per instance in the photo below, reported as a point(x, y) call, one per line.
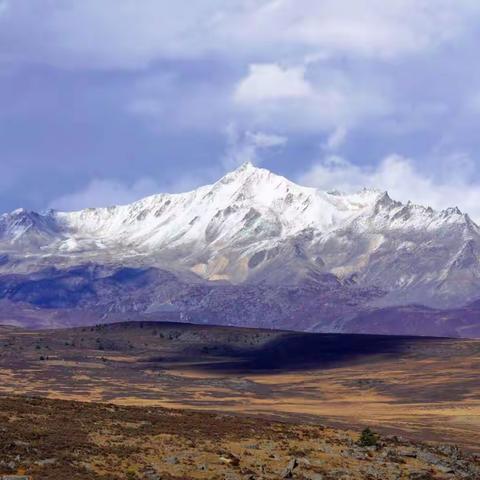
point(368, 438)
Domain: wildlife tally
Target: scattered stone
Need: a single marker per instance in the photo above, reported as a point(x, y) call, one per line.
point(149, 473)
point(19, 443)
point(313, 476)
point(270, 451)
point(152, 476)
point(445, 469)
point(449, 450)
point(292, 465)
point(172, 460)
point(429, 457)
point(231, 476)
point(46, 461)
point(420, 476)
point(230, 459)
point(393, 456)
point(407, 452)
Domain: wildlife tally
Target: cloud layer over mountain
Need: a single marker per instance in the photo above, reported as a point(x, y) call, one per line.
point(104, 101)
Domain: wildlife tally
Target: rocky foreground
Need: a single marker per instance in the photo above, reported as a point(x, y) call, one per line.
point(53, 439)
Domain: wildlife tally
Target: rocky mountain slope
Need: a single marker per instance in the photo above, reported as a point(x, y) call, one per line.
point(252, 238)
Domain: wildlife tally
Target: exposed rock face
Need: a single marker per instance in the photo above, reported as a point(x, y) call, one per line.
point(99, 290)
point(264, 238)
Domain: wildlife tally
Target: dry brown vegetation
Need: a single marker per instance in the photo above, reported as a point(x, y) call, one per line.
point(422, 389)
point(59, 440)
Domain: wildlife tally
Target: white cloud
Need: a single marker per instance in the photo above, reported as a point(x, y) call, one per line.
point(373, 28)
point(301, 68)
point(265, 140)
point(104, 193)
point(132, 34)
point(107, 192)
point(274, 97)
point(289, 46)
point(246, 146)
point(104, 34)
point(267, 82)
point(336, 139)
point(449, 186)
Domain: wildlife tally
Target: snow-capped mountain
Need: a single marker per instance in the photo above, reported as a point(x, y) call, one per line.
point(252, 227)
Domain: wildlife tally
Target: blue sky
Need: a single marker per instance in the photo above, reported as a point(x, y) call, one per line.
point(105, 101)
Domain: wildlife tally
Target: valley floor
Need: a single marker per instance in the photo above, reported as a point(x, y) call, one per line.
point(423, 389)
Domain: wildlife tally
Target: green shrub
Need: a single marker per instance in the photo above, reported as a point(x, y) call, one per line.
point(131, 474)
point(368, 438)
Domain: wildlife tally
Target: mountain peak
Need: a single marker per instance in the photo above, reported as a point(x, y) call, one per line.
point(256, 225)
point(246, 172)
point(247, 165)
point(248, 168)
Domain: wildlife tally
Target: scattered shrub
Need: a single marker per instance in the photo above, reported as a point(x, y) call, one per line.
point(131, 474)
point(368, 438)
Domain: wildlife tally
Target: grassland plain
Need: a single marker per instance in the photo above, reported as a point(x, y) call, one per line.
point(423, 389)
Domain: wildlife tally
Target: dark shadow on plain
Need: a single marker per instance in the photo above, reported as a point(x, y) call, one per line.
point(301, 351)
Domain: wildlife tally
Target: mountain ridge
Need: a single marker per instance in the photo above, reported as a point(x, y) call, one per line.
point(253, 229)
